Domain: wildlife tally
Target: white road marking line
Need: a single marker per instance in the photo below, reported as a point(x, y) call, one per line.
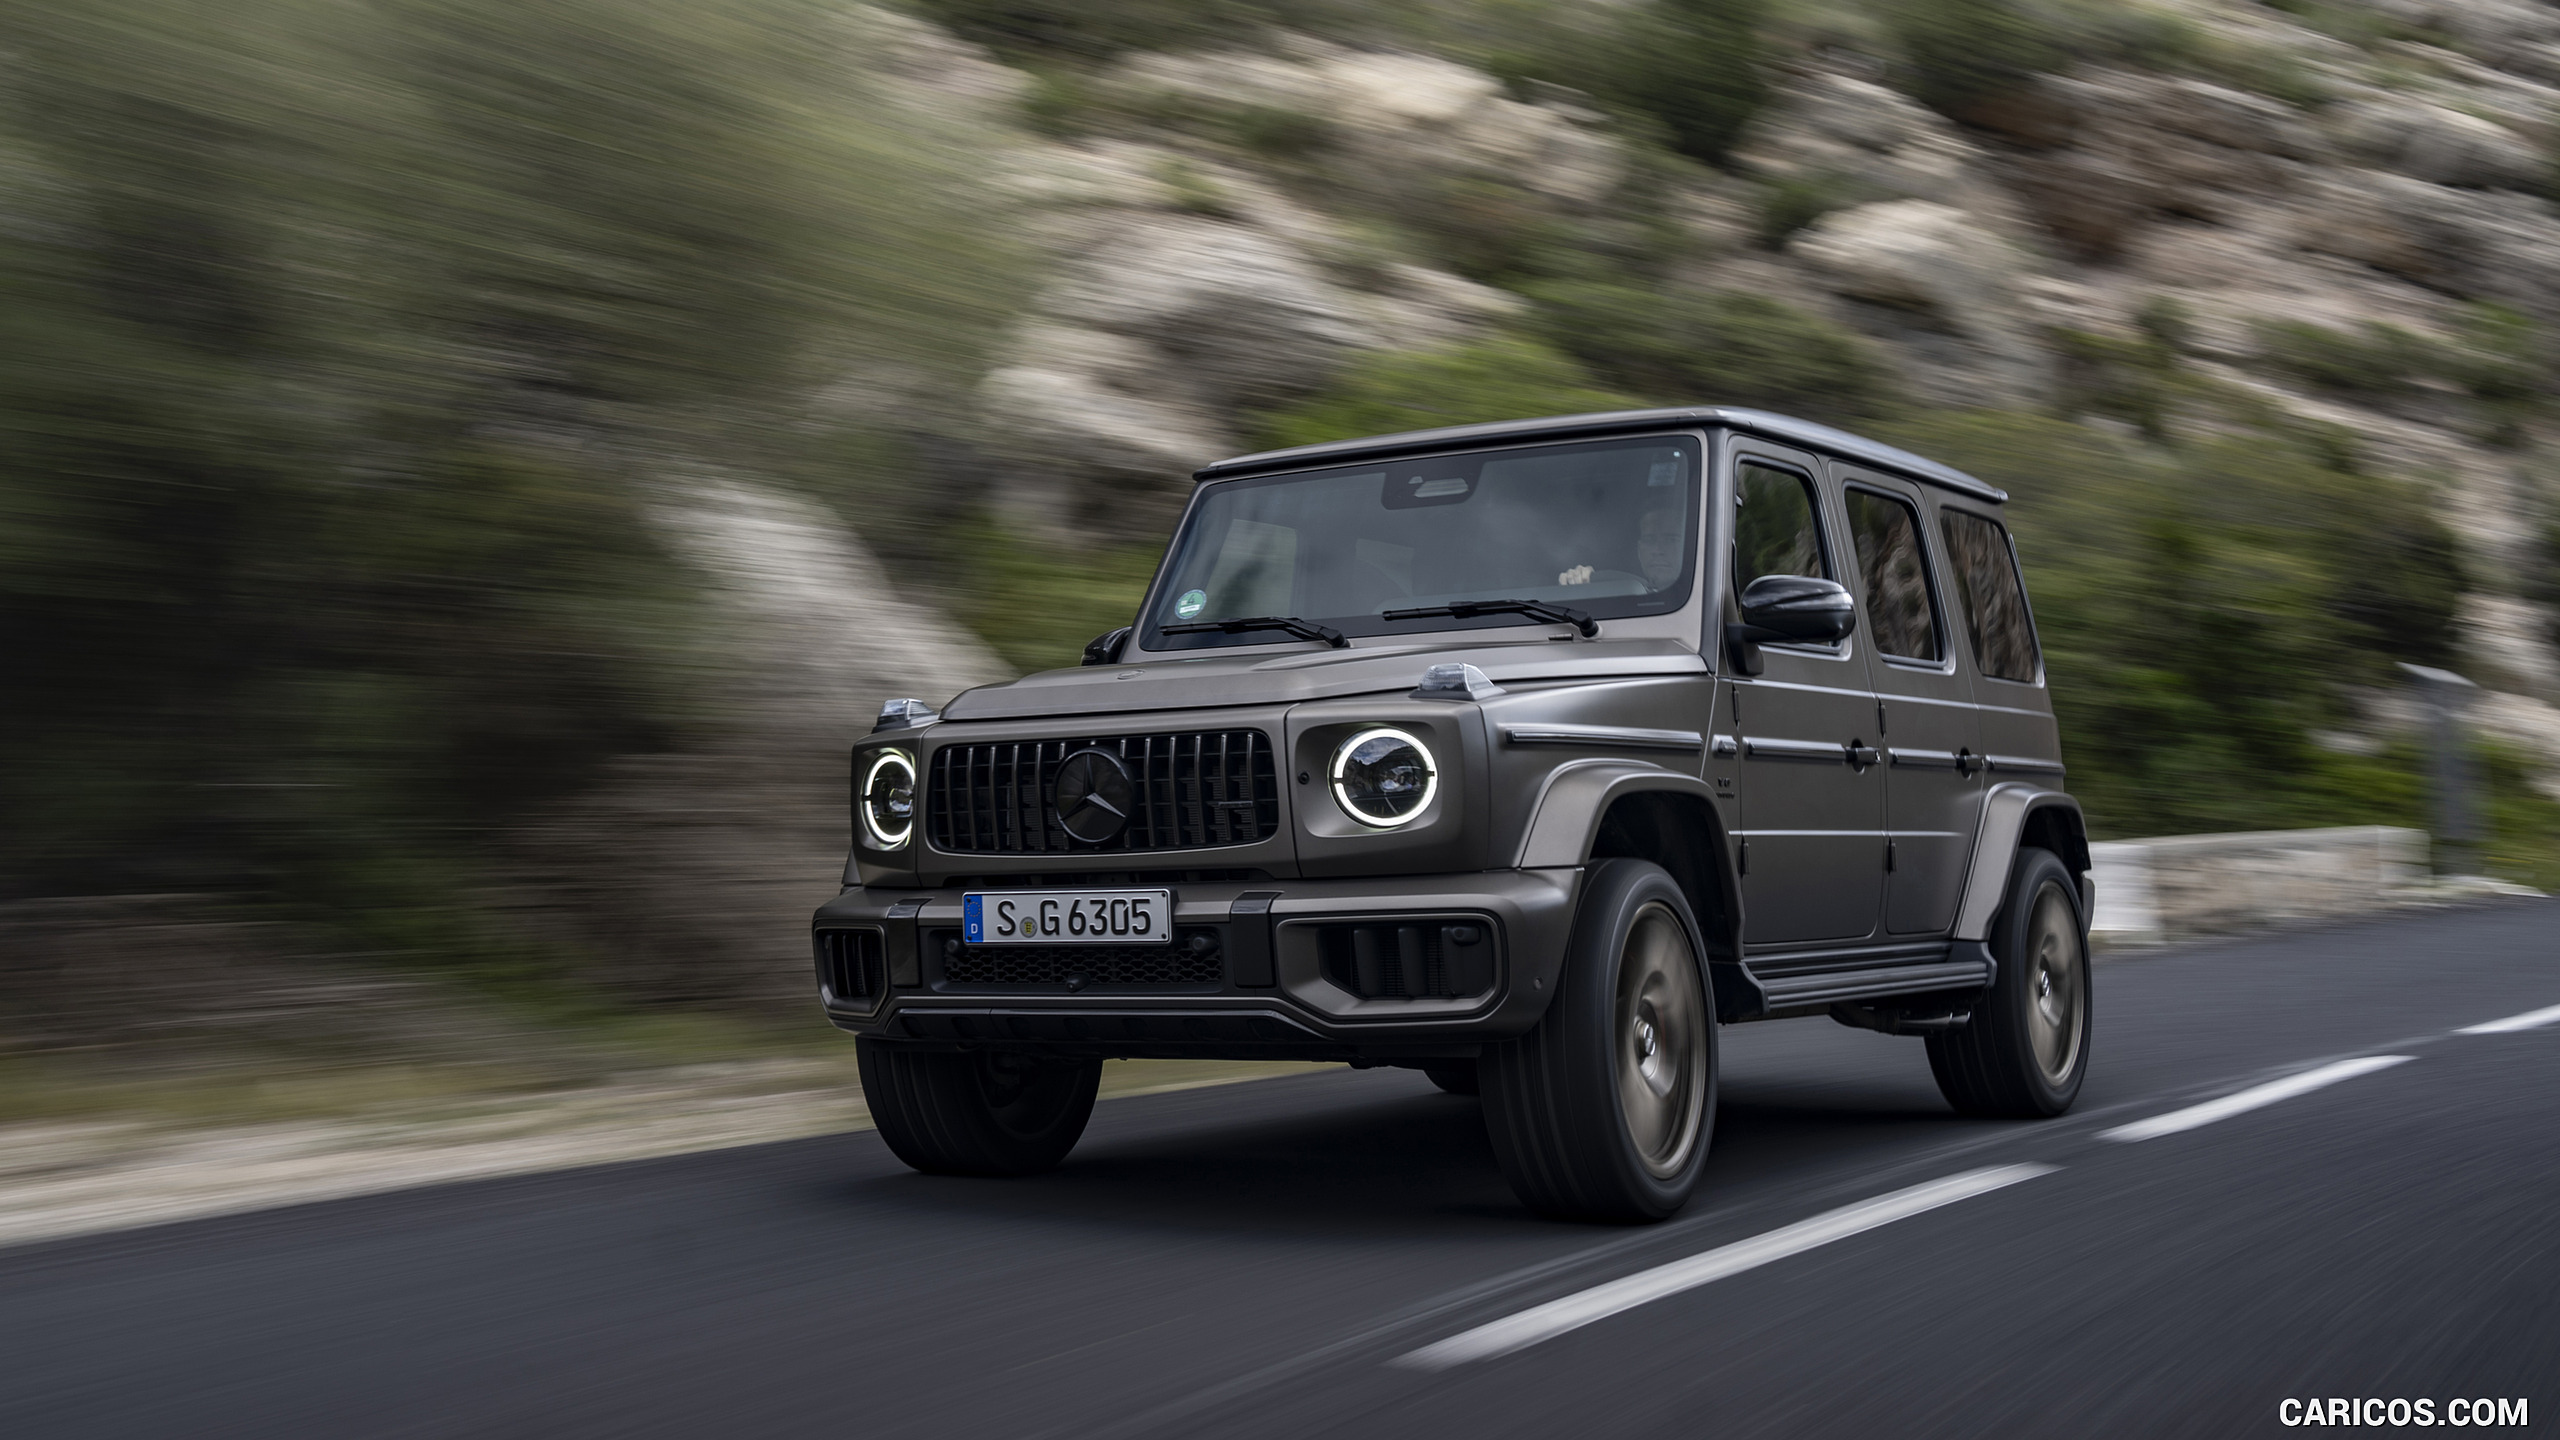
point(1556, 1317)
point(2252, 1098)
point(2529, 1020)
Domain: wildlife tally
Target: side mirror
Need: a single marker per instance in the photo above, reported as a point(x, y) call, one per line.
point(1104, 649)
point(1797, 609)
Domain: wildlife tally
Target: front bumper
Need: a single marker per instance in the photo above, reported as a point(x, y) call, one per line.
point(1270, 993)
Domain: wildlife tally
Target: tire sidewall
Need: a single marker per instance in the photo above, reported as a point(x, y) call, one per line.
point(1615, 894)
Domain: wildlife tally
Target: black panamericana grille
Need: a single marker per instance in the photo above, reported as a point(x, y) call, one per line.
point(1191, 960)
point(1196, 789)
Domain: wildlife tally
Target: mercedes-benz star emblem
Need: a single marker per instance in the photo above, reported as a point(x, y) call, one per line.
point(1094, 796)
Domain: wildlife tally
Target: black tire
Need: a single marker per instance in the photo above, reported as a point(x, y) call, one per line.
point(1557, 1101)
point(1458, 1077)
point(2026, 1050)
point(977, 1112)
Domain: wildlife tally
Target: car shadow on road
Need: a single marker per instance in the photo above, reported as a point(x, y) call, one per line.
point(1382, 1154)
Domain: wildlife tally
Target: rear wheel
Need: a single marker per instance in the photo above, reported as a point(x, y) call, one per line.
point(1458, 1077)
point(2026, 1049)
point(977, 1112)
point(1603, 1112)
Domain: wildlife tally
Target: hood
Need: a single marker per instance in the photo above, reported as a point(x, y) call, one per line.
point(1217, 680)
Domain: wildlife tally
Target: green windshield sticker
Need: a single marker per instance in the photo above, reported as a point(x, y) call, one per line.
point(1191, 603)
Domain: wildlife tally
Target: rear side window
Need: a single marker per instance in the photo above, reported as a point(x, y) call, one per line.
point(1774, 532)
point(1995, 604)
point(1886, 532)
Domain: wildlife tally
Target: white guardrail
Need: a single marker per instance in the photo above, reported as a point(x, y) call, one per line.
point(2178, 886)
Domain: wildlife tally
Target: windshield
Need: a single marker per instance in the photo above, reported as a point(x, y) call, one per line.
point(1607, 528)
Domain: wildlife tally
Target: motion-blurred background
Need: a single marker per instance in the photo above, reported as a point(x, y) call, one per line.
point(467, 467)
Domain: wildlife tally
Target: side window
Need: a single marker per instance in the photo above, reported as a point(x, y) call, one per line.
point(1995, 604)
point(1886, 532)
point(1774, 532)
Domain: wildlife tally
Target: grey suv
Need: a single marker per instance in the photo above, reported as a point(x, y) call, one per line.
point(1525, 755)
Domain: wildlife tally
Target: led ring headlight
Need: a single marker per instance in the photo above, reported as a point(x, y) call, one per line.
point(888, 800)
point(1383, 777)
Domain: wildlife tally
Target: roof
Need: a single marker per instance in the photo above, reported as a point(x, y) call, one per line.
point(1757, 422)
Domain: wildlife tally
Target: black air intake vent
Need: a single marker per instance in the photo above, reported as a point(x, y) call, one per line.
point(852, 967)
point(1435, 960)
point(1193, 790)
point(1191, 962)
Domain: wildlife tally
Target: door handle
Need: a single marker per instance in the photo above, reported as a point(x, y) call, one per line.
point(1862, 755)
point(1758, 747)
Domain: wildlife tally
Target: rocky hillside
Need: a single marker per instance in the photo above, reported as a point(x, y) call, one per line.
point(487, 568)
point(2320, 219)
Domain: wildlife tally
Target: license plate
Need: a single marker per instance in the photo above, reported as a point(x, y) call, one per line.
point(1067, 917)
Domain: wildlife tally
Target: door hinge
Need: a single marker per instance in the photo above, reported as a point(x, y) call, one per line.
point(1742, 860)
point(1881, 727)
point(1888, 857)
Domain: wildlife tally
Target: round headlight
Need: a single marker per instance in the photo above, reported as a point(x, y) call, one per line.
point(888, 802)
point(1383, 777)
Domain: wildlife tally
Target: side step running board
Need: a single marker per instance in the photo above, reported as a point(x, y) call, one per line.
point(1792, 992)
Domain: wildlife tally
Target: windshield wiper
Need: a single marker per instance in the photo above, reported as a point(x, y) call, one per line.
point(1291, 623)
point(1534, 609)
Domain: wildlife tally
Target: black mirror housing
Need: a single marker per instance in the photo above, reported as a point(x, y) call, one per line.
point(1797, 609)
point(1104, 649)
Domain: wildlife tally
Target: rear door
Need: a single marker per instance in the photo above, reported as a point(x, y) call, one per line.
point(1930, 734)
point(1812, 821)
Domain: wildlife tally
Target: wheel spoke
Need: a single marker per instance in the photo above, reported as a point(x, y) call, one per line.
point(2059, 982)
point(1660, 1015)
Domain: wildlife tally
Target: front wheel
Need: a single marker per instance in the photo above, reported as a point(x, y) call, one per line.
point(977, 1112)
point(2025, 1051)
point(1603, 1112)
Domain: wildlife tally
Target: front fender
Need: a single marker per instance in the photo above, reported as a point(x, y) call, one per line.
point(2006, 814)
point(1578, 794)
point(1663, 816)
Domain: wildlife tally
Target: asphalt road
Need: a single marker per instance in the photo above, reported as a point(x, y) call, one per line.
point(1263, 1259)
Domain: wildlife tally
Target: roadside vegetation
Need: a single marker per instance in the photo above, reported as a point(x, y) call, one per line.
point(345, 353)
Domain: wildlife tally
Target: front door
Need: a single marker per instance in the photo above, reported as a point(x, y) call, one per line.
point(1805, 730)
point(1931, 734)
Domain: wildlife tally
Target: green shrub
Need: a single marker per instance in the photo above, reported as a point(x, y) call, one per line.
point(2133, 380)
point(1037, 602)
point(1791, 203)
point(1279, 134)
point(2364, 26)
point(1694, 66)
point(1101, 29)
point(343, 354)
point(1193, 189)
point(1086, 28)
point(2497, 354)
point(1719, 347)
point(2373, 359)
point(1494, 230)
point(1692, 70)
point(2166, 321)
point(2495, 357)
point(1961, 53)
point(1507, 379)
point(1061, 103)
